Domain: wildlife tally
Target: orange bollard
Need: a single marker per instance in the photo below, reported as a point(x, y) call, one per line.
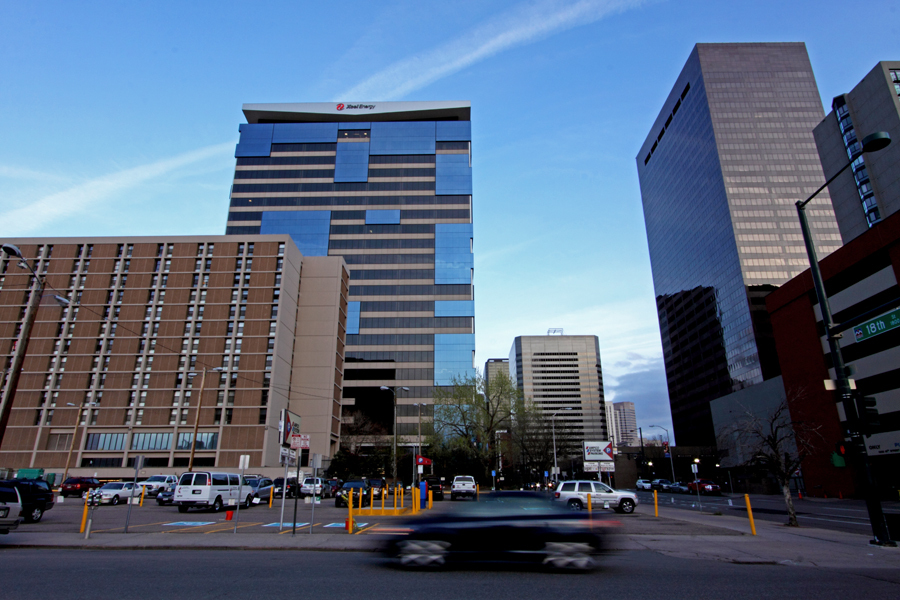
point(800, 494)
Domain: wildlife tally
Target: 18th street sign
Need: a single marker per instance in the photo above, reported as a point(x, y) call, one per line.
point(877, 325)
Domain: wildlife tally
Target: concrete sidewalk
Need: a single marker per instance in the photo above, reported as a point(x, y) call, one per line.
point(774, 543)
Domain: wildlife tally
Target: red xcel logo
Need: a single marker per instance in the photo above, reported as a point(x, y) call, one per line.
point(340, 107)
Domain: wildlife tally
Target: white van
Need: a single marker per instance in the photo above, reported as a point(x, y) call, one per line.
point(205, 489)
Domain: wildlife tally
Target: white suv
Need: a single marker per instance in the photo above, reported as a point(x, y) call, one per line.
point(644, 484)
point(463, 485)
point(575, 495)
point(157, 483)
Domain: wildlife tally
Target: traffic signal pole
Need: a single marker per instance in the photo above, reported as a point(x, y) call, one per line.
point(858, 454)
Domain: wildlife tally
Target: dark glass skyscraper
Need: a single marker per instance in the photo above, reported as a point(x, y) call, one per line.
point(730, 153)
point(388, 186)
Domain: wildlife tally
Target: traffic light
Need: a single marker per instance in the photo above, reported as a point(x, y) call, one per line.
point(839, 458)
point(868, 413)
point(840, 449)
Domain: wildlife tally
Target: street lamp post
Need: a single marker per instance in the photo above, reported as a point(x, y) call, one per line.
point(553, 426)
point(393, 392)
point(669, 444)
point(15, 370)
point(75, 431)
point(871, 143)
point(197, 415)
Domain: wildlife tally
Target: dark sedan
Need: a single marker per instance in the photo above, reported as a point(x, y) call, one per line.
point(503, 526)
point(166, 496)
point(357, 487)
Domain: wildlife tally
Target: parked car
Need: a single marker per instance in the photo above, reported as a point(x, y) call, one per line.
point(644, 484)
point(505, 526)
point(574, 494)
point(10, 508)
point(36, 497)
point(378, 485)
point(262, 487)
point(116, 492)
point(662, 485)
point(706, 486)
point(678, 488)
point(207, 489)
point(435, 487)
point(356, 486)
point(156, 484)
point(463, 486)
point(77, 486)
point(314, 486)
point(166, 496)
point(335, 484)
point(291, 487)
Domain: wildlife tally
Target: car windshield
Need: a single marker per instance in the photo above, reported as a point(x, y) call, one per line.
point(354, 484)
point(156, 478)
point(8, 494)
point(72, 480)
point(113, 486)
point(309, 481)
point(464, 480)
point(251, 482)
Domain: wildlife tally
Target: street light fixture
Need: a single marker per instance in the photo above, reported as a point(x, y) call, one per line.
point(393, 392)
point(871, 143)
point(197, 415)
point(553, 425)
point(669, 446)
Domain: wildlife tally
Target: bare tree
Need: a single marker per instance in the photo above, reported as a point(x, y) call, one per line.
point(776, 444)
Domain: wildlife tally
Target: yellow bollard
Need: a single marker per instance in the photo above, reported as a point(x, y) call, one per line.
point(589, 504)
point(271, 495)
point(396, 491)
point(383, 494)
point(477, 491)
point(361, 493)
point(84, 517)
point(143, 490)
point(349, 512)
point(750, 514)
point(430, 498)
point(655, 505)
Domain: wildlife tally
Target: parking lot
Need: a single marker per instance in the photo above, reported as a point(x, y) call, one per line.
point(152, 518)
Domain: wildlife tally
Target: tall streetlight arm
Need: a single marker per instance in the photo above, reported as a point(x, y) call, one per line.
point(871, 143)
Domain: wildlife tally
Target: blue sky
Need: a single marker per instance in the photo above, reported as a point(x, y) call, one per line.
point(121, 118)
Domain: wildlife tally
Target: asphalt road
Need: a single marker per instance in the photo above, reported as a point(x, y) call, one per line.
point(840, 515)
point(200, 574)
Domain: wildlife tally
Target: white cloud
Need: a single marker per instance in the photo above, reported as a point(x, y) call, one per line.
point(526, 23)
point(87, 196)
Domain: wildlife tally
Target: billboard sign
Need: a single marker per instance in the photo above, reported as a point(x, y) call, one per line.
point(289, 426)
point(598, 452)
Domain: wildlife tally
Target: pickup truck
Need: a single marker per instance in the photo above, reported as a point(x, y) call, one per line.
point(462, 486)
point(157, 483)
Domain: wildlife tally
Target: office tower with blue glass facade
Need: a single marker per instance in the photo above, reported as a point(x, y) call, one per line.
point(726, 159)
point(387, 186)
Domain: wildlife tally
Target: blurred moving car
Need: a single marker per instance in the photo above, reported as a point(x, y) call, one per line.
point(503, 526)
point(36, 497)
point(705, 486)
point(463, 486)
point(662, 485)
point(77, 486)
point(574, 495)
point(356, 486)
point(116, 491)
point(10, 508)
point(644, 484)
point(291, 490)
point(155, 484)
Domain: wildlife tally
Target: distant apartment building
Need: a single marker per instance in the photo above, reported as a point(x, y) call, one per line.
point(117, 371)
point(561, 375)
point(626, 423)
point(727, 157)
point(611, 427)
point(388, 187)
point(495, 366)
point(869, 191)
